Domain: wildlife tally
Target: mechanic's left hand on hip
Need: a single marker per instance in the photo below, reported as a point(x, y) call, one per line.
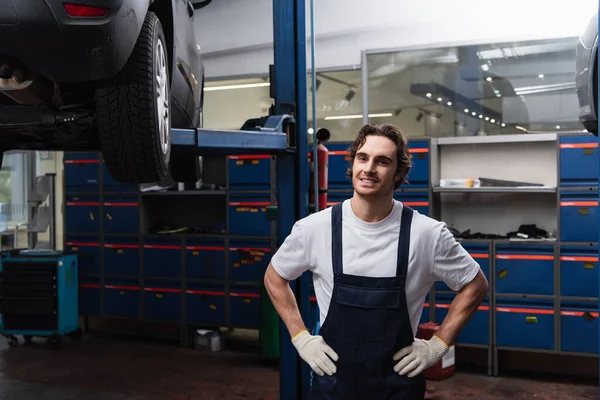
point(419, 356)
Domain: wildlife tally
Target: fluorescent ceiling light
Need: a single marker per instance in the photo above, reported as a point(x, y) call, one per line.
point(242, 86)
point(357, 116)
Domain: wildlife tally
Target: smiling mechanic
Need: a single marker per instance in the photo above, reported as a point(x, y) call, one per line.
point(373, 261)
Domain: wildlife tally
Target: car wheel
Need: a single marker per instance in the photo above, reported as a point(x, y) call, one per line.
point(134, 111)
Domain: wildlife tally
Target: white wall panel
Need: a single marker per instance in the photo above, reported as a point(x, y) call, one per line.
point(237, 35)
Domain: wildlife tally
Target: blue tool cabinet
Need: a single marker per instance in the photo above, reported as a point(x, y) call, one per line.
point(524, 269)
point(579, 327)
point(579, 271)
point(249, 172)
point(39, 296)
point(579, 216)
point(525, 323)
point(578, 161)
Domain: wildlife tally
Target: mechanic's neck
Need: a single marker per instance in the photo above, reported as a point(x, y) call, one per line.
point(372, 209)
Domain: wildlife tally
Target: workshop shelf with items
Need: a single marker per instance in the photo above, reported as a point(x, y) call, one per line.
point(539, 216)
point(195, 256)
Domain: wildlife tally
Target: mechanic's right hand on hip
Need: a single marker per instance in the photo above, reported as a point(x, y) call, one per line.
point(317, 354)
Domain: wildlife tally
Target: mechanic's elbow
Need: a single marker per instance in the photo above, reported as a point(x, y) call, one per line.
point(272, 278)
point(483, 286)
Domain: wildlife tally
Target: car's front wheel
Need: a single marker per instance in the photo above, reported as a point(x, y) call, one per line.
point(134, 110)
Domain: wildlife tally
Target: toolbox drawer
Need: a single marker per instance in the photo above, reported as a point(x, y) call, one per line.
point(82, 214)
point(162, 258)
point(81, 171)
point(525, 269)
point(578, 160)
point(247, 215)
point(205, 258)
point(579, 271)
point(480, 253)
point(249, 172)
point(162, 301)
point(245, 307)
point(579, 327)
point(249, 260)
point(205, 304)
point(337, 165)
point(579, 217)
point(121, 215)
point(525, 324)
point(121, 257)
point(418, 177)
point(90, 298)
point(415, 200)
point(88, 255)
point(122, 299)
point(477, 330)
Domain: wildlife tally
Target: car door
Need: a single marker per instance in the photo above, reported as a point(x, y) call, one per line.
point(187, 63)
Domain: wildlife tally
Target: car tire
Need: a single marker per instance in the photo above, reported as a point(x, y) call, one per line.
point(134, 111)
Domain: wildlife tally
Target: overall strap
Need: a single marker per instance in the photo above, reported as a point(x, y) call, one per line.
point(404, 241)
point(336, 238)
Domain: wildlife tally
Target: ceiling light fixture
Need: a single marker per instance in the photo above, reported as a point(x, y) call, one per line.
point(232, 87)
point(357, 116)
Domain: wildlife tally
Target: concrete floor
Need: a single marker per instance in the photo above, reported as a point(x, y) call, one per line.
point(104, 368)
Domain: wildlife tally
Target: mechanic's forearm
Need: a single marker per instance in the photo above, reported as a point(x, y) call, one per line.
point(284, 301)
point(462, 309)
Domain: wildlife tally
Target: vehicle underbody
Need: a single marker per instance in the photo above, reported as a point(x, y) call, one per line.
point(38, 114)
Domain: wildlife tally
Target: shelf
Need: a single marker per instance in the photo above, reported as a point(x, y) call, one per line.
point(519, 138)
point(497, 189)
point(185, 193)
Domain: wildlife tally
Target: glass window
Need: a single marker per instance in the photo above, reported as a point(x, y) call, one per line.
point(486, 89)
point(13, 188)
point(229, 103)
point(339, 104)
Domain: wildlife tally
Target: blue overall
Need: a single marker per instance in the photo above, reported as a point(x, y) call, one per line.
point(367, 322)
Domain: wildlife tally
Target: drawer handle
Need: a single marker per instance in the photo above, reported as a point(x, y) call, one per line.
point(589, 265)
point(588, 316)
point(530, 319)
point(588, 152)
point(159, 295)
point(246, 300)
point(92, 216)
point(213, 307)
point(109, 216)
point(502, 273)
point(583, 211)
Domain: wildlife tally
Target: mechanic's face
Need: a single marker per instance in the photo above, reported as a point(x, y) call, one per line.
point(374, 168)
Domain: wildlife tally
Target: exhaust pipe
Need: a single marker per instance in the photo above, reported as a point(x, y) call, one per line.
point(23, 86)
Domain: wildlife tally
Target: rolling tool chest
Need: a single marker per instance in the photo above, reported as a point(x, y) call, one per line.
point(39, 296)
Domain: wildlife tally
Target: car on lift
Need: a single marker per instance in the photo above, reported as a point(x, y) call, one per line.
point(103, 75)
point(586, 76)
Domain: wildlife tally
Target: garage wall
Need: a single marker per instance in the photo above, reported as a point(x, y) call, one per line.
point(53, 165)
point(236, 35)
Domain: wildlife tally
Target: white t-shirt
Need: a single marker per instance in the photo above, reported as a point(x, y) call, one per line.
point(370, 249)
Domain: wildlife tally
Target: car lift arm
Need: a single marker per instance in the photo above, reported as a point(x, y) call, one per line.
point(284, 133)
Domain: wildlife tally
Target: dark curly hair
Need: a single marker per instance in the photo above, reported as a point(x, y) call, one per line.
point(395, 135)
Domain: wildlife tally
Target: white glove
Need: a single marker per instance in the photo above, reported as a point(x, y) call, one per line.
point(316, 353)
point(419, 356)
